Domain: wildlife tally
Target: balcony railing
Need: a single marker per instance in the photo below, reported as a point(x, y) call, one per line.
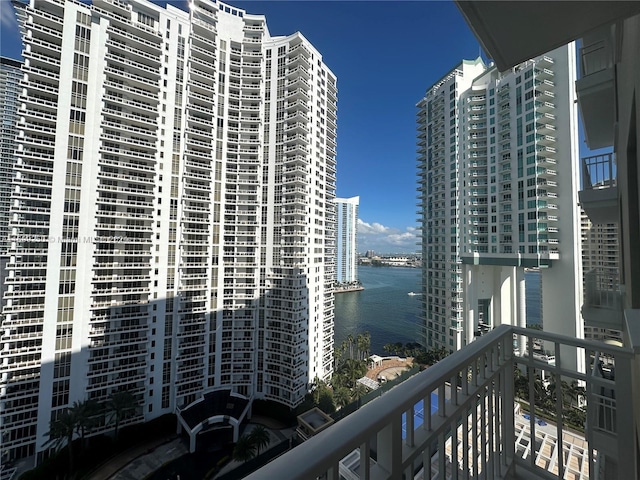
point(599, 193)
point(459, 419)
point(598, 171)
point(602, 289)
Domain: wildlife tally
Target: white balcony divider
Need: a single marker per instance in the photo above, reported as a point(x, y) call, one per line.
point(425, 428)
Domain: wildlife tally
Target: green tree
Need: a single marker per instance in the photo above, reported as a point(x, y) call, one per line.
point(260, 437)
point(350, 345)
point(337, 357)
point(325, 403)
point(86, 414)
point(363, 345)
point(122, 405)
point(353, 369)
point(61, 432)
point(244, 450)
point(339, 380)
point(520, 383)
point(358, 392)
point(341, 396)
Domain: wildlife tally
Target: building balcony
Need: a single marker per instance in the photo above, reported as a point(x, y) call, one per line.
point(428, 428)
point(599, 194)
point(603, 299)
point(596, 87)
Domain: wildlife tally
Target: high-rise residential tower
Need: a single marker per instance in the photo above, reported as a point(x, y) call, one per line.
point(346, 243)
point(498, 193)
point(172, 219)
point(10, 76)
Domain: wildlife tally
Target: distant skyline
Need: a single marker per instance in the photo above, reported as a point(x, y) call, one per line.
point(385, 54)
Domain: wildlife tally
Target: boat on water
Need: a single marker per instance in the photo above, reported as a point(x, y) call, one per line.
point(412, 294)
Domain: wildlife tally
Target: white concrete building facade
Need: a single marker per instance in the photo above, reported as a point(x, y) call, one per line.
point(172, 213)
point(10, 76)
point(347, 239)
point(498, 180)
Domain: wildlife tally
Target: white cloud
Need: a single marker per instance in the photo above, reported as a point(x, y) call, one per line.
point(371, 228)
point(381, 239)
point(7, 16)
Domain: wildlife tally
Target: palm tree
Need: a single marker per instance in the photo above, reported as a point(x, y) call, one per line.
point(122, 405)
point(359, 346)
point(260, 437)
point(352, 371)
point(61, 431)
point(337, 357)
point(341, 396)
point(86, 417)
point(244, 450)
point(366, 345)
point(358, 392)
point(350, 345)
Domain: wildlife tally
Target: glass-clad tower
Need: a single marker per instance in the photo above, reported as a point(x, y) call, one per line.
point(497, 182)
point(346, 243)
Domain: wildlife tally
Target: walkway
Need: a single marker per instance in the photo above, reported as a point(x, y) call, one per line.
point(277, 434)
point(163, 449)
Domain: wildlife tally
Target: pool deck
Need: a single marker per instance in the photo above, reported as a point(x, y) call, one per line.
point(394, 366)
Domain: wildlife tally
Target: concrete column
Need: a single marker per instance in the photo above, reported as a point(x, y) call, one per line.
point(513, 301)
point(522, 305)
point(192, 442)
point(389, 441)
point(496, 298)
point(472, 304)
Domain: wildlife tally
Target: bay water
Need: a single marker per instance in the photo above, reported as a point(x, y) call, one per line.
point(389, 314)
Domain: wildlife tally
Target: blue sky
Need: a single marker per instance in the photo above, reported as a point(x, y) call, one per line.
point(385, 55)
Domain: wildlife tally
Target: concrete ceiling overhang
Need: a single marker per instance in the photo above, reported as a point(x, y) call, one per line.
point(512, 32)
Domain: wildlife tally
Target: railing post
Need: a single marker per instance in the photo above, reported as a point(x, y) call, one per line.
point(390, 447)
point(365, 464)
point(508, 400)
point(627, 461)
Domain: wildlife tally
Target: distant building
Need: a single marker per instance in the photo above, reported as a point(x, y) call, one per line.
point(601, 276)
point(346, 239)
point(498, 188)
point(397, 261)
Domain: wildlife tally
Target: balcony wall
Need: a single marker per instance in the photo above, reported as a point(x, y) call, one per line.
point(596, 87)
point(471, 431)
point(603, 300)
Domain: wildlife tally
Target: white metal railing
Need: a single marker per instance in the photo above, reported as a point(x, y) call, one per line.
point(599, 171)
point(457, 420)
